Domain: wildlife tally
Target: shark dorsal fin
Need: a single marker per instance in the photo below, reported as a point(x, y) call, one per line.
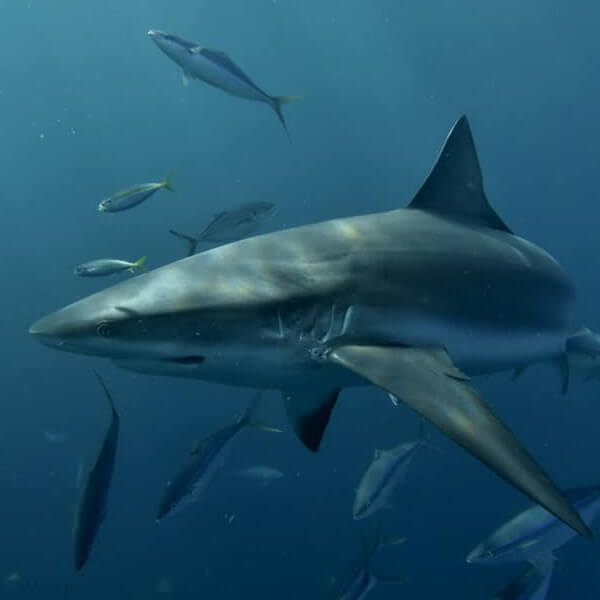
point(454, 188)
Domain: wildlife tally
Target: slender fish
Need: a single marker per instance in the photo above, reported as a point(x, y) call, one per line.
point(534, 534)
point(231, 225)
point(387, 470)
point(217, 69)
point(200, 467)
point(109, 266)
point(91, 509)
point(133, 196)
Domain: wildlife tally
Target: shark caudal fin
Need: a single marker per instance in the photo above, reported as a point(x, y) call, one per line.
point(192, 241)
point(454, 188)
point(277, 102)
point(425, 379)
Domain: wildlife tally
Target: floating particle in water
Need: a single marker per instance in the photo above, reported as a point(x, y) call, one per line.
point(164, 586)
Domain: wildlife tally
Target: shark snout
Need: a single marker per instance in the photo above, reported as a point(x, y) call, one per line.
point(48, 330)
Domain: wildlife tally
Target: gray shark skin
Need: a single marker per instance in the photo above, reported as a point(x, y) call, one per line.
point(412, 300)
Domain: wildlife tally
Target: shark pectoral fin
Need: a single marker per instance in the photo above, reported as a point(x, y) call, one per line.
point(420, 378)
point(309, 412)
point(185, 79)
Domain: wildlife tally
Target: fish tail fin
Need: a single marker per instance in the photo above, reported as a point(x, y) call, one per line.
point(249, 416)
point(277, 103)
point(167, 183)
point(192, 241)
point(107, 394)
point(140, 264)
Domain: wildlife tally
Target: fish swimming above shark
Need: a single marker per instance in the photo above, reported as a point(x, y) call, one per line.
point(230, 225)
point(413, 301)
point(217, 69)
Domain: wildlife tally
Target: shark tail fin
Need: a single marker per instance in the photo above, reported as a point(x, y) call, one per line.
point(277, 103)
point(167, 183)
point(139, 265)
point(192, 241)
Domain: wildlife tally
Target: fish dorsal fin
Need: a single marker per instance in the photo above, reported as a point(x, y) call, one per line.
point(454, 188)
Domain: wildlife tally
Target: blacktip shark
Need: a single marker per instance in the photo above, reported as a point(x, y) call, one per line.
point(217, 69)
point(413, 301)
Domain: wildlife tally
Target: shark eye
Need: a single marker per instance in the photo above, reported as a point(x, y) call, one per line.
point(103, 329)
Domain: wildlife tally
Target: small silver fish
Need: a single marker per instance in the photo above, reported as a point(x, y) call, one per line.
point(262, 473)
point(534, 534)
point(530, 585)
point(108, 266)
point(203, 463)
point(231, 225)
point(387, 470)
point(217, 69)
point(133, 196)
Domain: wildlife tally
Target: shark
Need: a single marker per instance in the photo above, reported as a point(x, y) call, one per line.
point(416, 301)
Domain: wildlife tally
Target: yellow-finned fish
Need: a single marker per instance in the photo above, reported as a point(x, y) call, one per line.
point(133, 196)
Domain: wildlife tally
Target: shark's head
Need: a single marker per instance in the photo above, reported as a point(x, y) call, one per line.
point(150, 317)
point(174, 47)
point(186, 319)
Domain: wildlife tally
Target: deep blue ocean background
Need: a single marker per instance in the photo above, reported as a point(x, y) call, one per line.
point(89, 105)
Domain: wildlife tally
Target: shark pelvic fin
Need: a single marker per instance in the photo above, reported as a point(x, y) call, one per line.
point(309, 412)
point(422, 379)
point(454, 188)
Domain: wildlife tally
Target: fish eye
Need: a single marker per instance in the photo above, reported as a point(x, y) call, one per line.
point(103, 329)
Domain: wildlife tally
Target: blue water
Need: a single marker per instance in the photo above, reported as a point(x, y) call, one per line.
point(89, 105)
